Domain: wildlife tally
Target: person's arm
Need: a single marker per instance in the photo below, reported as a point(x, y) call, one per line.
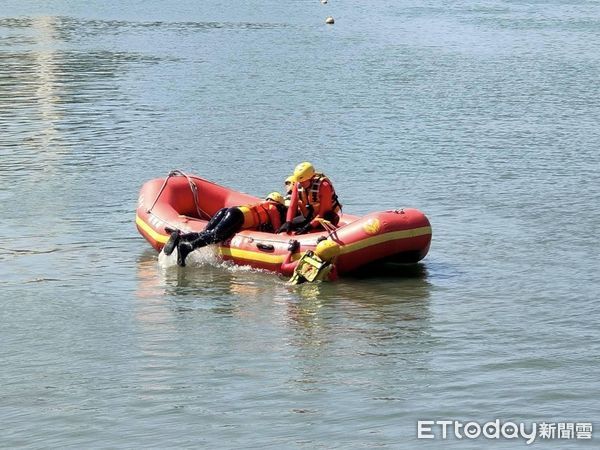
point(291, 212)
point(288, 266)
point(293, 208)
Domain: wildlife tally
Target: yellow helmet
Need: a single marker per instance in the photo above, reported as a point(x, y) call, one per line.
point(289, 180)
point(303, 171)
point(275, 197)
point(327, 250)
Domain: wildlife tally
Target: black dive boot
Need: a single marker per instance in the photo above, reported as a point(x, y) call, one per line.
point(184, 248)
point(171, 243)
point(187, 246)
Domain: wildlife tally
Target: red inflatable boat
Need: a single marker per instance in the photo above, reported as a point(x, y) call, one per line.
point(186, 202)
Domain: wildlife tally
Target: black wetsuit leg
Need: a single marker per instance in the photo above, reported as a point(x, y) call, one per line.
point(229, 223)
point(216, 219)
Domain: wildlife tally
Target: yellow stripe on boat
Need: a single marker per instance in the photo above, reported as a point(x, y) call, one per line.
point(359, 245)
point(386, 237)
point(278, 259)
point(250, 255)
point(162, 238)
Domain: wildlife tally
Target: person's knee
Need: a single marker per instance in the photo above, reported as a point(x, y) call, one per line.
point(235, 214)
point(229, 225)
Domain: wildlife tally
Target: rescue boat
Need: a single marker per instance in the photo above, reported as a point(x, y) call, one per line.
point(186, 202)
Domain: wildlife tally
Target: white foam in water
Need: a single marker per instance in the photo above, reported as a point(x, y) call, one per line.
point(206, 256)
point(199, 257)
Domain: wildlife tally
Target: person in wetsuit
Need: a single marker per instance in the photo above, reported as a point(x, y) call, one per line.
point(267, 215)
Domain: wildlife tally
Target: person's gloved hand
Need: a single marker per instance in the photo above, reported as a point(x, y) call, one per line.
point(294, 245)
point(285, 228)
point(305, 229)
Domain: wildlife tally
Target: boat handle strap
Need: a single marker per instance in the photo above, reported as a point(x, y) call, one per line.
point(193, 188)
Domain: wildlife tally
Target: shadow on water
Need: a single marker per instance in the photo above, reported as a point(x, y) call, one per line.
point(395, 271)
point(386, 296)
point(377, 320)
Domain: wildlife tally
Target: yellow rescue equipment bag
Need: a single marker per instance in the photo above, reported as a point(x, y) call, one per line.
point(311, 268)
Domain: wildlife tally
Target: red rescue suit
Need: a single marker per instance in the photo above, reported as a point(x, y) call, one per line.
point(321, 197)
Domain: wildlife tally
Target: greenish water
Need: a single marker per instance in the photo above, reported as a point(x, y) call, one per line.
point(483, 115)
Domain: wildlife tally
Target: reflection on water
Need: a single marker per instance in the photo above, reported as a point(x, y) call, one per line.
point(76, 29)
point(56, 101)
point(393, 284)
point(46, 91)
point(381, 312)
point(323, 339)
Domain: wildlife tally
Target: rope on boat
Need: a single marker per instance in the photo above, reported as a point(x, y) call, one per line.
point(330, 228)
point(193, 188)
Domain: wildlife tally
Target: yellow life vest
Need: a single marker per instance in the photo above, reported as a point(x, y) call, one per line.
point(311, 268)
point(262, 216)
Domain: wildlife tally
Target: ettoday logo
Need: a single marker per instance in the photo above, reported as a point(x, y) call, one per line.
point(435, 429)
